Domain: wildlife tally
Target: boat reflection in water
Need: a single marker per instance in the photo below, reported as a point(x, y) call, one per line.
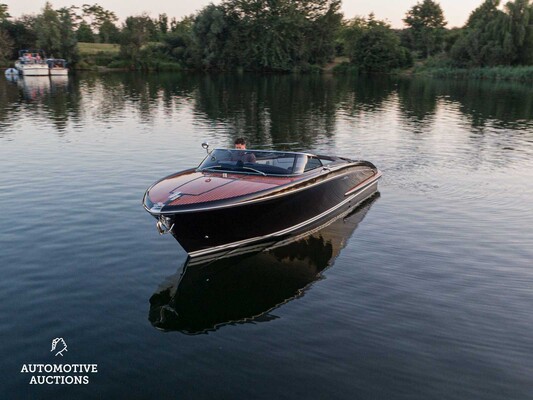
point(237, 288)
point(34, 87)
point(59, 81)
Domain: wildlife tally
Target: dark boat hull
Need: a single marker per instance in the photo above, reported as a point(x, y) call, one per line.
point(213, 230)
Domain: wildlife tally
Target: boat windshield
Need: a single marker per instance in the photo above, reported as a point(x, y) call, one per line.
point(254, 162)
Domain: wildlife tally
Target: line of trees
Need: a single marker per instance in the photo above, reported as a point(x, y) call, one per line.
point(281, 35)
point(257, 35)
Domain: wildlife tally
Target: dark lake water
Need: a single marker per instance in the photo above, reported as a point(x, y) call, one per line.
point(426, 292)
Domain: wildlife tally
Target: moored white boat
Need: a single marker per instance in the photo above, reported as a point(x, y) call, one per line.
point(57, 66)
point(31, 63)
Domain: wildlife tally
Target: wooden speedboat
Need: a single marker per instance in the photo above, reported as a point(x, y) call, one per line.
point(238, 197)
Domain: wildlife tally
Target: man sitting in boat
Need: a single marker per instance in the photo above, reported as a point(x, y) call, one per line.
point(240, 144)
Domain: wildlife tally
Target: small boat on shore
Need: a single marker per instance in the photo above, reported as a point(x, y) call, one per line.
point(31, 63)
point(11, 72)
point(57, 66)
point(239, 197)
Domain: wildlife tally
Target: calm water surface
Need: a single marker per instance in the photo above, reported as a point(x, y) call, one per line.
point(425, 292)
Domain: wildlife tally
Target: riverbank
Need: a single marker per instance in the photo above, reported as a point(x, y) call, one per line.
point(504, 73)
point(105, 57)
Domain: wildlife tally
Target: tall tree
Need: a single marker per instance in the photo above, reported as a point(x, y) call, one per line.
point(4, 14)
point(211, 35)
point(69, 43)
point(97, 15)
point(85, 33)
point(57, 36)
point(179, 42)
point(162, 24)
point(6, 43)
point(109, 32)
point(321, 34)
point(496, 37)
point(350, 32)
point(377, 48)
point(48, 25)
point(520, 20)
point(136, 32)
point(21, 33)
point(425, 22)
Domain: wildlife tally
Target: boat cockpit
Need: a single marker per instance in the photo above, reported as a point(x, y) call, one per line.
point(263, 162)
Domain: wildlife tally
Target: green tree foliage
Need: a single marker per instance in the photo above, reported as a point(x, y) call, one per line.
point(85, 33)
point(56, 32)
point(48, 25)
point(484, 41)
point(4, 14)
point(136, 33)
point(162, 24)
point(68, 48)
point(6, 43)
point(109, 32)
point(350, 33)
point(374, 47)
point(21, 33)
point(520, 27)
point(179, 42)
point(97, 15)
point(211, 36)
point(496, 37)
point(425, 32)
point(277, 35)
point(101, 23)
point(321, 33)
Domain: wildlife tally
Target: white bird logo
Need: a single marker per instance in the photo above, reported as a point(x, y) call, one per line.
point(54, 345)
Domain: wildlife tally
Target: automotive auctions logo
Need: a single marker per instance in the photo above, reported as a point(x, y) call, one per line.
point(59, 374)
point(54, 345)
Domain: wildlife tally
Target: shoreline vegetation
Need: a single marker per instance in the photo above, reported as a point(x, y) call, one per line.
point(305, 36)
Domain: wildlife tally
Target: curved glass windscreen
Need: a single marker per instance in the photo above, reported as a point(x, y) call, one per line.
point(254, 162)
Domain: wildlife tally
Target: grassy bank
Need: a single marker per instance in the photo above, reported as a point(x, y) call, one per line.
point(88, 49)
point(518, 73)
point(98, 56)
point(94, 56)
point(504, 73)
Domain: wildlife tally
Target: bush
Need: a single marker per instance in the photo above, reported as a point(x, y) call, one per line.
point(346, 68)
point(122, 64)
point(524, 74)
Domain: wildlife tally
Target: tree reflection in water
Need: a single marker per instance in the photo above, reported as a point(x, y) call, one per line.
point(267, 110)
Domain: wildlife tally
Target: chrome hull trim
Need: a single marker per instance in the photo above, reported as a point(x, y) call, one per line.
point(366, 189)
point(355, 189)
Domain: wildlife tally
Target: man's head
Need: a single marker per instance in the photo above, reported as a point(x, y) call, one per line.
point(240, 144)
